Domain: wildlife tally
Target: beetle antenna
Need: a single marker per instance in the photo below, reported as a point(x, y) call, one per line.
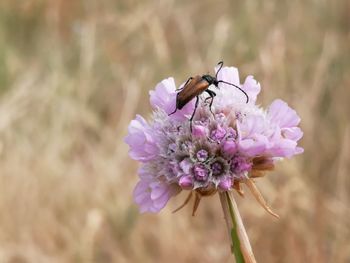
point(235, 87)
point(221, 63)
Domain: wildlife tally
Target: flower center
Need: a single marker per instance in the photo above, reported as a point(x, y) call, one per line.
point(231, 134)
point(218, 134)
point(201, 172)
point(202, 155)
point(172, 148)
point(185, 146)
point(220, 116)
point(217, 168)
point(203, 121)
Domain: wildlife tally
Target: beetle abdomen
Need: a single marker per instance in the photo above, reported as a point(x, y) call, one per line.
point(192, 89)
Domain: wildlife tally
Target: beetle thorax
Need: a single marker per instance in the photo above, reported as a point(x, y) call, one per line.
point(210, 79)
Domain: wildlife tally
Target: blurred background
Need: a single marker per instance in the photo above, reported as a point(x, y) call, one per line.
point(74, 73)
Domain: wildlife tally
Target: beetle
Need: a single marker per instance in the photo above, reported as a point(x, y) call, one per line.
point(195, 86)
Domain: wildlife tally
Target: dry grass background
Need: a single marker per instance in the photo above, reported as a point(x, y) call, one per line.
point(74, 73)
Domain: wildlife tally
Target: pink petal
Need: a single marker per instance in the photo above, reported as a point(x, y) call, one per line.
point(253, 147)
point(280, 113)
point(293, 133)
point(252, 88)
point(158, 192)
point(228, 74)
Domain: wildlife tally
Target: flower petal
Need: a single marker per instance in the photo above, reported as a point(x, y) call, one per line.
point(252, 88)
point(281, 114)
point(141, 140)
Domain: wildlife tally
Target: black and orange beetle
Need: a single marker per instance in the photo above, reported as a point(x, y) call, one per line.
point(195, 86)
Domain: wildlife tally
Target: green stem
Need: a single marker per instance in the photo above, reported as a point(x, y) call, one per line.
point(235, 243)
point(240, 245)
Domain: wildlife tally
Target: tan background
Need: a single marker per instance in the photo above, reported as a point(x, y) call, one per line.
point(74, 73)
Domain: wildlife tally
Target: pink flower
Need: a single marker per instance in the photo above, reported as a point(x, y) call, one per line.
point(141, 140)
point(227, 145)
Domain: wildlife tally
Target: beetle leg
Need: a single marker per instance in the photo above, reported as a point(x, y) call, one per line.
point(212, 94)
point(195, 108)
point(177, 94)
point(206, 99)
point(175, 107)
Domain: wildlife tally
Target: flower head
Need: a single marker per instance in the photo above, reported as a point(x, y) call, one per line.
point(227, 145)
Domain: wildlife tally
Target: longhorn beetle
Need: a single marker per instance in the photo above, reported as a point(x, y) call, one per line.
point(195, 86)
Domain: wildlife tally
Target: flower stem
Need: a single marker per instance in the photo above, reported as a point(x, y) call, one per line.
point(240, 245)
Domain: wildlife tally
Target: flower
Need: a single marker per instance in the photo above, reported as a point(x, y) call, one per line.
point(227, 145)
